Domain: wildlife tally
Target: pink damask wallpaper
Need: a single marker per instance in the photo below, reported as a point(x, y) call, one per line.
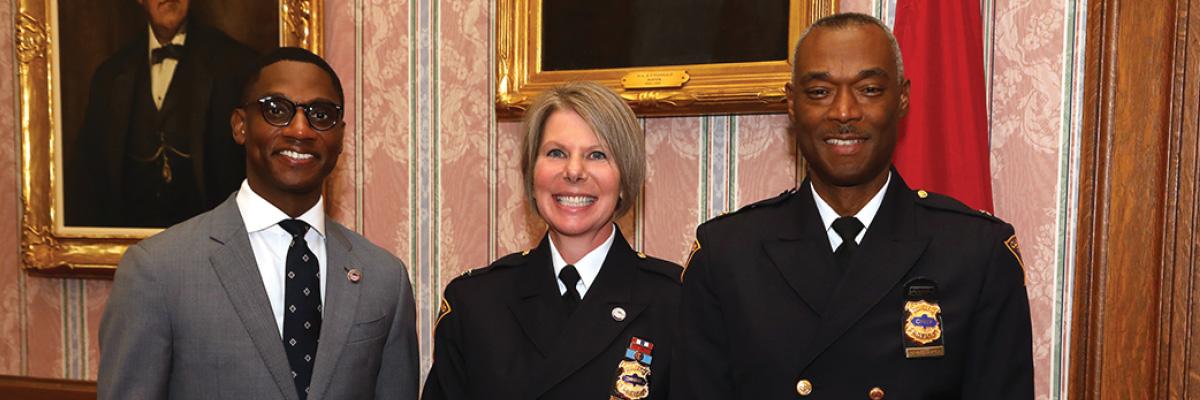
point(429, 174)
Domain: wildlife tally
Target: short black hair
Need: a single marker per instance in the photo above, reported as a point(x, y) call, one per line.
point(289, 54)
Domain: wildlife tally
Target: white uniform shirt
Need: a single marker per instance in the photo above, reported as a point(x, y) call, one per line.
point(588, 266)
point(865, 215)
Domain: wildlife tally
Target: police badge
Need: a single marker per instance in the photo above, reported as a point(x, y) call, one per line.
point(633, 372)
point(922, 324)
point(633, 381)
point(922, 332)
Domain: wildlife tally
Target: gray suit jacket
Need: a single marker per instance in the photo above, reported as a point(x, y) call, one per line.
point(188, 318)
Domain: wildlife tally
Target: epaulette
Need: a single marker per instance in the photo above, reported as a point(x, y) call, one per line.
point(659, 266)
point(504, 262)
point(946, 203)
point(760, 204)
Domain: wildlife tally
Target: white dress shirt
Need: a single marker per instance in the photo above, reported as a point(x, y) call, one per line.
point(161, 73)
point(865, 215)
point(588, 266)
point(270, 243)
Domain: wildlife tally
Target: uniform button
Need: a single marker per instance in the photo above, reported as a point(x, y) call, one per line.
point(876, 393)
point(804, 387)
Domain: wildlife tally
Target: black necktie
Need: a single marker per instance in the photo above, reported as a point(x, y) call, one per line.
point(848, 228)
point(569, 277)
point(172, 50)
point(301, 306)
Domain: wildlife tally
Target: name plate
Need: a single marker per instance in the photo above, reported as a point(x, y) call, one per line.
point(655, 79)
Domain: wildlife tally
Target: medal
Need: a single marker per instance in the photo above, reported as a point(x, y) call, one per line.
point(633, 373)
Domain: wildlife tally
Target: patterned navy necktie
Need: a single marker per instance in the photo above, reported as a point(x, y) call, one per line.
point(301, 306)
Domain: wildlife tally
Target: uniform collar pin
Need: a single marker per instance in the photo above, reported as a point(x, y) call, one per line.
point(618, 314)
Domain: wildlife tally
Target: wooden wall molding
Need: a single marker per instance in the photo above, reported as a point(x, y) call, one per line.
point(1136, 273)
point(27, 388)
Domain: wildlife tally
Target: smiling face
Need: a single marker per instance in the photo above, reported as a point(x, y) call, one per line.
point(847, 100)
point(576, 182)
point(287, 165)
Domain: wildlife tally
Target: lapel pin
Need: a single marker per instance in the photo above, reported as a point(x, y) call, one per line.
point(618, 314)
point(354, 275)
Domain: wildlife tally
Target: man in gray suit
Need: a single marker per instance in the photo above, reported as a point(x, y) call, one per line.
point(263, 297)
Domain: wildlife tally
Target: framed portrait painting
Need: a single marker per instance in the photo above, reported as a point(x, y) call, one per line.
point(664, 57)
point(124, 116)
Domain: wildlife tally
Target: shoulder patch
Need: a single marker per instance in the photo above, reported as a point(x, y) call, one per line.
point(1015, 249)
point(946, 203)
point(443, 311)
point(760, 204)
point(688, 263)
point(692, 253)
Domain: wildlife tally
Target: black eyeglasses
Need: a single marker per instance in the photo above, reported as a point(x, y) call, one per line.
point(279, 111)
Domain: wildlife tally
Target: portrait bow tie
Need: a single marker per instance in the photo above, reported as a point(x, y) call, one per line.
point(174, 51)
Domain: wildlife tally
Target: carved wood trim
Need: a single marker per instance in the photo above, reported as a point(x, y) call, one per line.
point(1136, 249)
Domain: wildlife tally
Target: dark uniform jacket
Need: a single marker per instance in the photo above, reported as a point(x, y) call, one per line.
point(203, 92)
point(504, 332)
point(755, 328)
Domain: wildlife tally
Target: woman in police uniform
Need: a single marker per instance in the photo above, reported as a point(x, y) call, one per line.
point(582, 315)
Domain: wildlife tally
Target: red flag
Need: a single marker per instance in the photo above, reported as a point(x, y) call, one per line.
point(943, 145)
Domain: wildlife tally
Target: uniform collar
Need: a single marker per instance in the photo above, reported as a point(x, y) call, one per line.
point(865, 215)
point(589, 265)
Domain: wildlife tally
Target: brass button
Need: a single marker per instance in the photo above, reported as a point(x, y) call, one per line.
point(875, 394)
point(922, 194)
point(804, 387)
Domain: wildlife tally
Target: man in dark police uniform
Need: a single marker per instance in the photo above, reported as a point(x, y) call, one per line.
point(853, 285)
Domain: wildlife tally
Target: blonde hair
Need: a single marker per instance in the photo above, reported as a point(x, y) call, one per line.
point(610, 118)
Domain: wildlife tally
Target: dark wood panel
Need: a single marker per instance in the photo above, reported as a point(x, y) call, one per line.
point(1136, 249)
point(26, 388)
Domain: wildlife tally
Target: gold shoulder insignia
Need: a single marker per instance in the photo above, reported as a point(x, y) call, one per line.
point(1015, 249)
point(443, 311)
point(922, 194)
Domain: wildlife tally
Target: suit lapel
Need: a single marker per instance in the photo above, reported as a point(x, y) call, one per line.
point(591, 329)
point(190, 89)
point(889, 250)
point(539, 308)
point(237, 270)
point(340, 307)
point(124, 85)
point(802, 253)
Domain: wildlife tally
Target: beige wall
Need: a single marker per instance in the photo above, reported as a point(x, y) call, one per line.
point(428, 174)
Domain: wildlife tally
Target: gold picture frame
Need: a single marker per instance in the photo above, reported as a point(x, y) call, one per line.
point(745, 87)
point(47, 246)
